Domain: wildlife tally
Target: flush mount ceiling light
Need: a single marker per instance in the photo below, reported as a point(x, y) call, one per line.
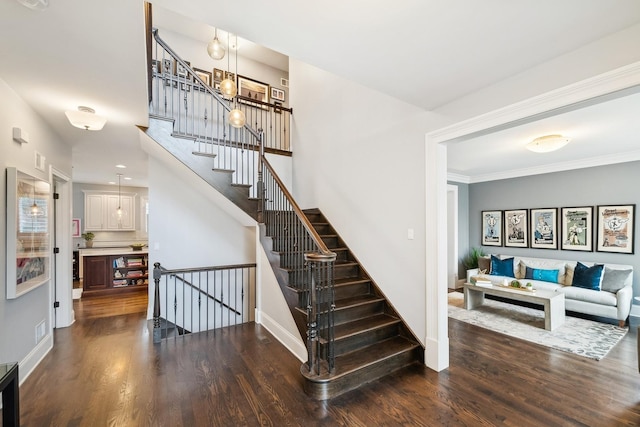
point(86, 118)
point(215, 49)
point(547, 143)
point(35, 4)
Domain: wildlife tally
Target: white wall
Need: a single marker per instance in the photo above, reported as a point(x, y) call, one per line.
point(187, 229)
point(19, 317)
point(616, 50)
point(360, 158)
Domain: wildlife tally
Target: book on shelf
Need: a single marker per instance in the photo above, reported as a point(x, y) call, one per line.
point(483, 283)
point(120, 283)
point(119, 263)
point(135, 273)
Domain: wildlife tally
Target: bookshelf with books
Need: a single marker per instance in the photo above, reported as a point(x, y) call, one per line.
point(116, 273)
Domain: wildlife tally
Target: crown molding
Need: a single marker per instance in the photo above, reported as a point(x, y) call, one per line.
point(616, 158)
point(458, 177)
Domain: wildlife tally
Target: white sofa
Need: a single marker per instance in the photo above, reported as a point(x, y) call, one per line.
point(612, 301)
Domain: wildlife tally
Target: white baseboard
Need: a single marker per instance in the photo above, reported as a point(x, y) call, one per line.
point(290, 341)
point(35, 356)
point(77, 293)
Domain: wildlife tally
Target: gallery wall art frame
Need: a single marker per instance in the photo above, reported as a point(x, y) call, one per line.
point(218, 75)
point(544, 228)
point(516, 228)
point(616, 228)
point(28, 243)
point(75, 227)
point(576, 224)
point(206, 76)
point(492, 228)
point(277, 94)
point(180, 71)
point(249, 89)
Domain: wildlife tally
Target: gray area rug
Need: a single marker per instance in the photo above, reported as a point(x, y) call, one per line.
point(579, 336)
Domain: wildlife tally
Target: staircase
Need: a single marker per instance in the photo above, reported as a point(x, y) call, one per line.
point(354, 334)
point(371, 340)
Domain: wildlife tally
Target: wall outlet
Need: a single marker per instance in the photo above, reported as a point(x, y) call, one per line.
point(40, 331)
point(410, 234)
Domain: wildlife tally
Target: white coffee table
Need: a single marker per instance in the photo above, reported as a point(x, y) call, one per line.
point(553, 302)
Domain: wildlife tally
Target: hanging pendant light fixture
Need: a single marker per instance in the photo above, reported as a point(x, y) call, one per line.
point(237, 118)
point(119, 212)
point(228, 87)
point(215, 49)
point(35, 209)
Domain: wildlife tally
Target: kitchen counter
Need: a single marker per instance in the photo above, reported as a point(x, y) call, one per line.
point(123, 250)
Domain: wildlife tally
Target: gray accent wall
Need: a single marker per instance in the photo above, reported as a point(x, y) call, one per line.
point(602, 185)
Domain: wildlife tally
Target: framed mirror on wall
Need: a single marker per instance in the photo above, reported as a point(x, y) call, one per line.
point(28, 238)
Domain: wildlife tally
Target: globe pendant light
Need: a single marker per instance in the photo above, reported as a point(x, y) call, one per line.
point(215, 48)
point(228, 87)
point(237, 118)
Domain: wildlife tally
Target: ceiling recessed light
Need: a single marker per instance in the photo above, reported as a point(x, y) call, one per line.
point(547, 143)
point(127, 178)
point(121, 166)
point(111, 182)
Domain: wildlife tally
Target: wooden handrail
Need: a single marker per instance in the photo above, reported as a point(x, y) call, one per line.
point(301, 216)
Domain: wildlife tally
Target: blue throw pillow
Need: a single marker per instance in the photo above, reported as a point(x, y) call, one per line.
point(587, 277)
point(539, 274)
point(501, 267)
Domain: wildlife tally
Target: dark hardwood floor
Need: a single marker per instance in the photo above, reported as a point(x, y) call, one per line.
point(105, 371)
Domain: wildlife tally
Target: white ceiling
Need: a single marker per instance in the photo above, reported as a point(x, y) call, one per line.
point(601, 133)
point(92, 53)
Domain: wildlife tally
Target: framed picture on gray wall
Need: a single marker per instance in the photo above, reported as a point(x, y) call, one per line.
point(544, 224)
point(577, 228)
point(616, 228)
point(516, 229)
point(492, 228)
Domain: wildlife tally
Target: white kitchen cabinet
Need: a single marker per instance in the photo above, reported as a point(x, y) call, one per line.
point(100, 211)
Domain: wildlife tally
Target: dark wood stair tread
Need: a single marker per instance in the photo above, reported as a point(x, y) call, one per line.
point(347, 281)
point(367, 356)
point(346, 303)
point(355, 327)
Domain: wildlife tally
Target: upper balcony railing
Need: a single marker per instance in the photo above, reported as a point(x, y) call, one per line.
point(200, 112)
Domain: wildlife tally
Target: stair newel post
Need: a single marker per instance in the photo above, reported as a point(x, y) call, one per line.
point(157, 274)
point(320, 310)
point(260, 187)
point(312, 326)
